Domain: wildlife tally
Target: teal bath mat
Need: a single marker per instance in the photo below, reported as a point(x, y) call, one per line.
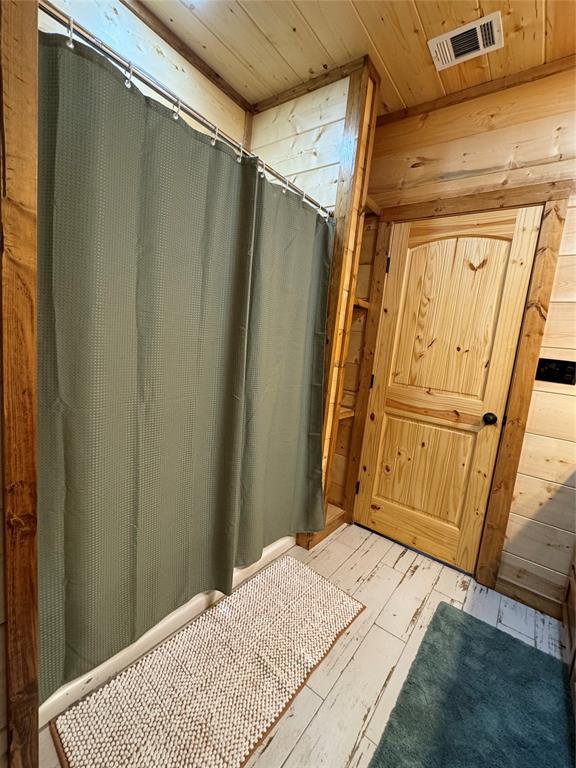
point(476, 697)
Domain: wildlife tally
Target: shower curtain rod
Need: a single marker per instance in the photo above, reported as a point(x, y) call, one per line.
point(180, 106)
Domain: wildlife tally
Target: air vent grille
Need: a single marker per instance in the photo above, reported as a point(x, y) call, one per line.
point(487, 30)
point(465, 43)
point(468, 41)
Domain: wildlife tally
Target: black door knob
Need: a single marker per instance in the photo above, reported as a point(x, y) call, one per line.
point(490, 418)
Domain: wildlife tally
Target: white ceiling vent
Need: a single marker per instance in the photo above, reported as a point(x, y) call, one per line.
point(474, 39)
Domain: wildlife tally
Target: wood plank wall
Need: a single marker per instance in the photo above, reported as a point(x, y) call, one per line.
point(302, 139)
point(523, 135)
point(118, 27)
point(541, 529)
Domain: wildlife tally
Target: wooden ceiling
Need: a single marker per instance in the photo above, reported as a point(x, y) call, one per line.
point(263, 48)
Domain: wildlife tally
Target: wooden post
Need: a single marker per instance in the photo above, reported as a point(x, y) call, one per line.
point(359, 130)
point(19, 74)
point(508, 458)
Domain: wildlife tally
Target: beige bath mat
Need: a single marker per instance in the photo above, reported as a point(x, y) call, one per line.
point(207, 696)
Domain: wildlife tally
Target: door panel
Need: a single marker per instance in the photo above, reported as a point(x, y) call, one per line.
point(448, 331)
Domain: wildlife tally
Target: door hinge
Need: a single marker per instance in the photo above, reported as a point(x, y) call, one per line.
point(357, 489)
point(371, 380)
point(388, 263)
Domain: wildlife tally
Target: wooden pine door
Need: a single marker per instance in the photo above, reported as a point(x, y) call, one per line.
point(449, 327)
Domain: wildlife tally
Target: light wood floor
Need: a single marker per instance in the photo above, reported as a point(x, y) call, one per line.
point(338, 718)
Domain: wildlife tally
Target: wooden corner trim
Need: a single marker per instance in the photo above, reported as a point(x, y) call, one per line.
point(18, 123)
point(501, 84)
point(510, 197)
point(326, 78)
point(170, 38)
point(520, 394)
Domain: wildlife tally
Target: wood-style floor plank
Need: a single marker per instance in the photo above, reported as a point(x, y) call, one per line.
point(389, 693)
point(402, 610)
point(453, 584)
point(335, 732)
point(374, 594)
point(362, 754)
point(354, 536)
point(354, 571)
point(517, 619)
point(483, 603)
point(330, 559)
point(399, 557)
point(550, 636)
point(278, 744)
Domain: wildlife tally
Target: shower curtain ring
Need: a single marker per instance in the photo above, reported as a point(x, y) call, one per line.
point(70, 41)
point(304, 197)
point(285, 187)
point(213, 139)
point(128, 81)
point(262, 168)
point(239, 158)
point(176, 114)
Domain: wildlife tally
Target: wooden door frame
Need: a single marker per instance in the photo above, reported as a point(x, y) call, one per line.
point(18, 117)
point(553, 196)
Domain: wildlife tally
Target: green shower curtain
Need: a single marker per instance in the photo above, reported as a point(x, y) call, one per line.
point(182, 303)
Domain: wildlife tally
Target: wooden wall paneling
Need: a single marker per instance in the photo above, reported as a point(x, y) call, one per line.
point(563, 170)
point(559, 330)
point(552, 415)
point(539, 543)
point(544, 97)
point(541, 144)
point(301, 113)
point(568, 245)
point(175, 42)
point(535, 578)
point(491, 86)
point(117, 26)
point(565, 283)
point(508, 458)
point(314, 148)
point(548, 458)
point(473, 147)
point(19, 115)
point(301, 138)
point(529, 596)
point(545, 501)
point(380, 257)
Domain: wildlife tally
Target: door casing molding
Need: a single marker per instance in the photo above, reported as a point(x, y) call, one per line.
point(554, 197)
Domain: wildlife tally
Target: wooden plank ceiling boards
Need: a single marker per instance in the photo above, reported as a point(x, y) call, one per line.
point(264, 48)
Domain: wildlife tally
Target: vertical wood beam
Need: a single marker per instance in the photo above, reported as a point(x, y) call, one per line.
point(19, 113)
point(520, 394)
point(355, 160)
point(367, 362)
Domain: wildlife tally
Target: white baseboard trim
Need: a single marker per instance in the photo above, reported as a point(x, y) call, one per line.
point(76, 689)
